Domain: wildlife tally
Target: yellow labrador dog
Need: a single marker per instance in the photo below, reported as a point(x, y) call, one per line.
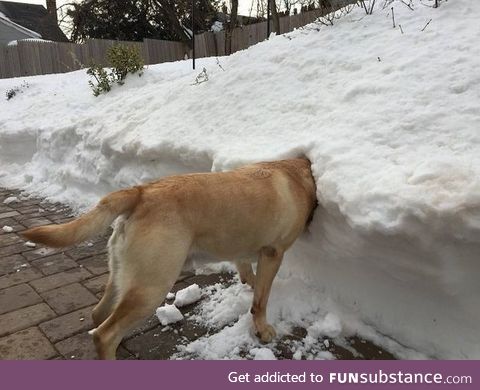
point(252, 213)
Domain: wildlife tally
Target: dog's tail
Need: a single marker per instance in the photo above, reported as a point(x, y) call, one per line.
point(89, 224)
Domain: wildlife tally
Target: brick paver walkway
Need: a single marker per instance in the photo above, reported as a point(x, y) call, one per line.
point(47, 295)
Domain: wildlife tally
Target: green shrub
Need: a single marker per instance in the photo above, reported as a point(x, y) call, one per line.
point(102, 79)
point(123, 60)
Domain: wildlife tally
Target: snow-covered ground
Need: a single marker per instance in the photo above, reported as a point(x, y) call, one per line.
point(390, 121)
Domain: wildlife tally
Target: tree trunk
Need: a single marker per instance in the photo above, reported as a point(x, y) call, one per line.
point(230, 27)
point(275, 17)
point(169, 10)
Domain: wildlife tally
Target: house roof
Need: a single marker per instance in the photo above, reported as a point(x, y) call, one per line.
point(33, 17)
point(26, 31)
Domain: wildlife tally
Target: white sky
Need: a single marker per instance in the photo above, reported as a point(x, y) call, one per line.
point(243, 5)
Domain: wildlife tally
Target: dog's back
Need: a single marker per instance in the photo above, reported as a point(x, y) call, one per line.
point(231, 214)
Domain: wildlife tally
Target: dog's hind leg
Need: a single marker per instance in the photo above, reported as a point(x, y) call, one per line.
point(245, 271)
point(148, 271)
point(133, 307)
point(268, 265)
point(105, 307)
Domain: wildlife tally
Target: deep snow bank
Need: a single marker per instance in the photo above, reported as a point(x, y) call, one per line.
point(390, 121)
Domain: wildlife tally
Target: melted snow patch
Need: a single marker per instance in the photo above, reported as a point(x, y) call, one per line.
point(11, 199)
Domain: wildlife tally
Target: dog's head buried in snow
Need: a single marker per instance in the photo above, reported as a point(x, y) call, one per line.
point(253, 213)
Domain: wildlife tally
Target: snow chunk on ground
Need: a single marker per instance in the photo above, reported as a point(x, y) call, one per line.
point(330, 326)
point(188, 295)
point(7, 229)
point(11, 199)
point(30, 244)
point(262, 354)
point(297, 355)
point(168, 314)
point(170, 295)
point(18, 268)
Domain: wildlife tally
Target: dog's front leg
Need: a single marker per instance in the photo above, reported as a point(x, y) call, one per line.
point(268, 265)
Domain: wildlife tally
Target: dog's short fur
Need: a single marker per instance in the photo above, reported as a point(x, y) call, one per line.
point(252, 213)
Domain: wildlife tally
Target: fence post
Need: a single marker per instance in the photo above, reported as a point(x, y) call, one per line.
point(268, 19)
point(193, 33)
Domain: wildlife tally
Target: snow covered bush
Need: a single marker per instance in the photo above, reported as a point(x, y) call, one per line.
point(123, 60)
point(12, 92)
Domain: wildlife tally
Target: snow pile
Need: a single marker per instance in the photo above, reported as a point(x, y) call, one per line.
point(7, 229)
point(168, 314)
point(226, 310)
point(188, 295)
point(224, 305)
point(227, 344)
point(389, 120)
point(329, 326)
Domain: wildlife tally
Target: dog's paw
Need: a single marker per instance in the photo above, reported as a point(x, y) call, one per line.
point(250, 282)
point(267, 334)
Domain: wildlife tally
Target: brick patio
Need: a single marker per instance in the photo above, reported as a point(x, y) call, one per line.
point(47, 295)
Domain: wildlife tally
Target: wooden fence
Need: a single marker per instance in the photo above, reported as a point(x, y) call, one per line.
point(29, 58)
